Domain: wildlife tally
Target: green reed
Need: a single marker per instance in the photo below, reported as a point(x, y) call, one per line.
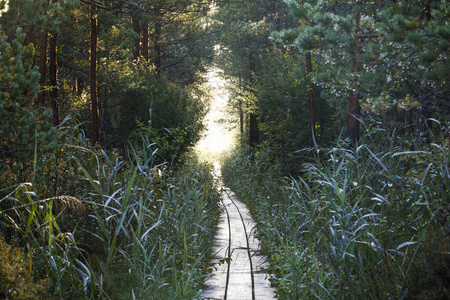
point(129, 229)
point(368, 223)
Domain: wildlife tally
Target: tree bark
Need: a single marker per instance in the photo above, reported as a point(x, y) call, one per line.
point(354, 114)
point(311, 120)
point(42, 66)
point(95, 138)
point(354, 110)
point(53, 68)
point(157, 44)
point(253, 120)
point(241, 110)
point(137, 41)
point(31, 39)
point(426, 107)
point(254, 132)
point(145, 41)
point(80, 84)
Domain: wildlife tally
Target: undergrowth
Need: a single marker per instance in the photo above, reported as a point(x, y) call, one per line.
point(368, 223)
point(113, 227)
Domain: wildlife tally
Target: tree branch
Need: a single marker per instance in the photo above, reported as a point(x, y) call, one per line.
point(96, 5)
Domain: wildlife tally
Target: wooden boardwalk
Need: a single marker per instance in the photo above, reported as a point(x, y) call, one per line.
point(237, 256)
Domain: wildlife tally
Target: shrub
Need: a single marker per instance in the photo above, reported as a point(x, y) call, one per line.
point(16, 275)
point(150, 104)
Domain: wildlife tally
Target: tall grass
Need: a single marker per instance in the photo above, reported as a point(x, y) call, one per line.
point(129, 229)
point(365, 224)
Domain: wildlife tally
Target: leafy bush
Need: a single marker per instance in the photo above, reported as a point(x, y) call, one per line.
point(16, 276)
point(150, 100)
point(169, 143)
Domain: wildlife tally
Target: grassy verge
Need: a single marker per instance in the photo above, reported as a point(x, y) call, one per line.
point(365, 224)
point(114, 229)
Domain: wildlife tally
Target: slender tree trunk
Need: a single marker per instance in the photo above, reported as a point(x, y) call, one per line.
point(31, 39)
point(241, 111)
point(95, 138)
point(254, 132)
point(42, 66)
point(53, 68)
point(354, 110)
point(354, 113)
point(311, 120)
point(145, 41)
point(241, 118)
point(426, 105)
point(79, 86)
point(137, 41)
point(157, 44)
point(253, 120)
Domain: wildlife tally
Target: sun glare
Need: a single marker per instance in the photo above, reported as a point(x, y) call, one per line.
point(219, 137)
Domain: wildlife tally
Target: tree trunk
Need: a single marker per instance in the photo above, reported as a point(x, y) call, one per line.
point(241, 118)
point(354, 110)
point(145, 41)
point(137, 41)
point(31, 39)
point(311, 121)
point(254, 132)
point(354, 114)
point(157, 45)
point(241, 110)
point(95, 138)
point(80, 84)
point(42, 66)
point(253, 120)
point(53, 68)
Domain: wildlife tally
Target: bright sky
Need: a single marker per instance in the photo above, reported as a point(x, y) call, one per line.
point(218, 136)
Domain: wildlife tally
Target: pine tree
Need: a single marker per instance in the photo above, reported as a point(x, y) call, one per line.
point(377, 55)
point(25, 132)
point(95, 138)
point(413, 51)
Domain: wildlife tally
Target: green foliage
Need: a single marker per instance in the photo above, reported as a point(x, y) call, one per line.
point(411, 35)
point(185, 50)
point(171, 113)
point(94, 224)
point(16, 280)
point(26, 133)
point(403, 45)
point(147, 104)
point(372, 223)
point(34, 15)
point(169, 143)
point(283, 105)
point(132, 228)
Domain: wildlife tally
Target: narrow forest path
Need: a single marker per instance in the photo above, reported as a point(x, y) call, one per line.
point(237, 255)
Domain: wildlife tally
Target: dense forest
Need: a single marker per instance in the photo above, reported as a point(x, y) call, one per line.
point(343, 151)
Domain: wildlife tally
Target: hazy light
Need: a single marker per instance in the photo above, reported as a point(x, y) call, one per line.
point(218, 136)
